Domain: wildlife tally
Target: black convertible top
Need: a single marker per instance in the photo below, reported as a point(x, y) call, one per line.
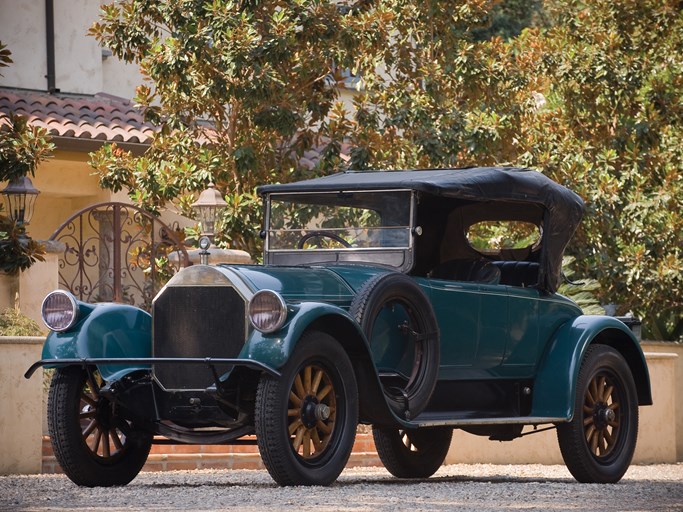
point(563, 208)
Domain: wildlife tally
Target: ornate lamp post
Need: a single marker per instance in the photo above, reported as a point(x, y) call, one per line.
point(20, 198)
point(206, 207)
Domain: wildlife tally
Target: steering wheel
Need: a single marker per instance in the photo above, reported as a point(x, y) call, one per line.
point(321, 234)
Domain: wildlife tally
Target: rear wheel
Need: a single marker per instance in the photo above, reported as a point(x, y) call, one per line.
point(598, 444)
point(412, 453)
point(93, 443)
point(306, 419)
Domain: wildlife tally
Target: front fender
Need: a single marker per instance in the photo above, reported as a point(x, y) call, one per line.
point(108, 330)
point(558, 372)
point(275, 348)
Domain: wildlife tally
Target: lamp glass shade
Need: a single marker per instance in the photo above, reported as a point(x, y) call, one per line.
point(20, 199)
point(206, 208)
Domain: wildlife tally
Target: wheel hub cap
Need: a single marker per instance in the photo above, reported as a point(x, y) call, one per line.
point(312, 411)
point(603, 416)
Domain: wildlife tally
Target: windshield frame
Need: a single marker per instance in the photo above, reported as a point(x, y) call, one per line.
point(399, 258)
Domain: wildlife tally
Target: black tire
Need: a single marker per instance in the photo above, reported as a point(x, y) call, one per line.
point(306, 420)
point(388, 291)
point(597, 445)
point(412, 453)
point(92, 443)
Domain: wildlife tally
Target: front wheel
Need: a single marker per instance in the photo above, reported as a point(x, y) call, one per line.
point(93, 443)
point(412, 453)
point(597, 445)
point(306, 419)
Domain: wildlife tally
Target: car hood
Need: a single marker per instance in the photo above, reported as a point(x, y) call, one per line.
point(337, 284)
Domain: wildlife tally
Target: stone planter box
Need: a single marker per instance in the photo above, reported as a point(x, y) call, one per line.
point(21, 425)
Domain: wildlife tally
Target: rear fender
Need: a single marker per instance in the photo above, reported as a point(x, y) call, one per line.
point(555, 386)
point(274, 349)
point(105, 330)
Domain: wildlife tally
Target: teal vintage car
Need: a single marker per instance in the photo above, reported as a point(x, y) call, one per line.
point(417, 302)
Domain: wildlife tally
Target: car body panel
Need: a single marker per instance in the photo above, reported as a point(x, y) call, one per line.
point(108, 330)
point(275, 348)
point(317, 284)
point(555, 385)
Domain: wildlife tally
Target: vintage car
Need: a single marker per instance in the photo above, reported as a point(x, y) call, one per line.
point(417, 302)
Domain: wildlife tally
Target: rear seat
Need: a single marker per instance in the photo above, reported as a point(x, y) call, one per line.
point(518, 273)
point(479, 271)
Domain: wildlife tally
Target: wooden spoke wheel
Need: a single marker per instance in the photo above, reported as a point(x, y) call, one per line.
point(102, 434)
point(598, 443)
point(312, 411)
point(306, 419)
point(92, 440)
point(601, 413)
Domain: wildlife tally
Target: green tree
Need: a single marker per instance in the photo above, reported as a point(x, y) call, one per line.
point(610, 128)
point(22, 148)
point(587, 92)
point(260, 72)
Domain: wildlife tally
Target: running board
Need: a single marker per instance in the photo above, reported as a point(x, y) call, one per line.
point(429, 420)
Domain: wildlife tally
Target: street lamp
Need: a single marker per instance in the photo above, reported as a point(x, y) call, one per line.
point(206, 208)
point(20, 198)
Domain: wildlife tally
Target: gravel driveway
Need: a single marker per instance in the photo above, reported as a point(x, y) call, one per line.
point(455, 487)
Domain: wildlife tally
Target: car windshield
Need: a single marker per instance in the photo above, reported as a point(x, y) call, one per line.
point(339, 221)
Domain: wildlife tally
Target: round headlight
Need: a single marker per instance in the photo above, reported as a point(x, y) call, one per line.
point(267, 311)
point(59, 310)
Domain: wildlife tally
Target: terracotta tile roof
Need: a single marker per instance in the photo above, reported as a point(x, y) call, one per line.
point(102, 117)
point(99, 117)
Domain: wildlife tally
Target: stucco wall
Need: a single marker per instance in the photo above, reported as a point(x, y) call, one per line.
point(21, 403)
point(20, 406)
point(676, 386)
point(22, 29)
point(35, 283)
point(67, 184)
point(79, 64)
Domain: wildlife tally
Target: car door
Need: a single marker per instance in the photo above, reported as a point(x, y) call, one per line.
point(521, 351)
point(473, 322)
point(456, 306)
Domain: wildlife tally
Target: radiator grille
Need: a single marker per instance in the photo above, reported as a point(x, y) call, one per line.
point(196, 321)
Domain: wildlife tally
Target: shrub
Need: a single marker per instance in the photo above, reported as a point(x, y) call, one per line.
point(14, 323)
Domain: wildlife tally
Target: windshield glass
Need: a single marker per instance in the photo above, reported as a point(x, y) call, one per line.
point(339, 220)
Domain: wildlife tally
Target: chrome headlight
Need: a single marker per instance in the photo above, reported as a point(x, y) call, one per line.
point(267, 311)
point(59, 310)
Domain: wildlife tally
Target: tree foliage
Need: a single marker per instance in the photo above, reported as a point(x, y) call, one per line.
point(587, 92)
point(22, 148)
point(611, 130)
point(259, 71)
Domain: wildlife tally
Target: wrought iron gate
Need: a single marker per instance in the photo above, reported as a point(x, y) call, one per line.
point(117, 252)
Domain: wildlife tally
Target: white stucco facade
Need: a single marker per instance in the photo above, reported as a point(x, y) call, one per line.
point(80, 66)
